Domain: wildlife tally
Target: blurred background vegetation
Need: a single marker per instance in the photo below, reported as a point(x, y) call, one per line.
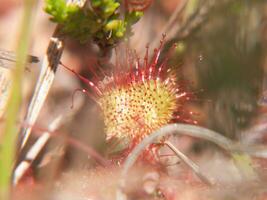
point(221, 52)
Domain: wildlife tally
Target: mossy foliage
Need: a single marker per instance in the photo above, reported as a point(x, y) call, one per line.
point(100, 21)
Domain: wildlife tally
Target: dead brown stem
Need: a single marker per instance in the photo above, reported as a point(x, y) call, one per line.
point(47, 75)
point(189, 163)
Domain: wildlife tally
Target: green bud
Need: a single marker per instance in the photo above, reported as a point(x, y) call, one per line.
point(133, 17)
point(113, 24)
point(110, 8)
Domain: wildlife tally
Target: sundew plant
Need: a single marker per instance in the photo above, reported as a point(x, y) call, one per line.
point(134, 99)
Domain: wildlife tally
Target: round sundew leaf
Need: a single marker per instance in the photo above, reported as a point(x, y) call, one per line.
point(138, 108)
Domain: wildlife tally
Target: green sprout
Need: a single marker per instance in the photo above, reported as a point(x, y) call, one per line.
point(100, 22)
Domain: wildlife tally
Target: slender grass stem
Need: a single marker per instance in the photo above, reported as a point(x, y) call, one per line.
point(10, 130)
point(182, 129)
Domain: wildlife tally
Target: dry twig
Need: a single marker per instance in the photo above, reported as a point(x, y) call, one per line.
point(34, 151)
point(47, 75)
point(189, 163)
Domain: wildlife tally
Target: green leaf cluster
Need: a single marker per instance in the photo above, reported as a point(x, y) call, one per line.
point(99, 21)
